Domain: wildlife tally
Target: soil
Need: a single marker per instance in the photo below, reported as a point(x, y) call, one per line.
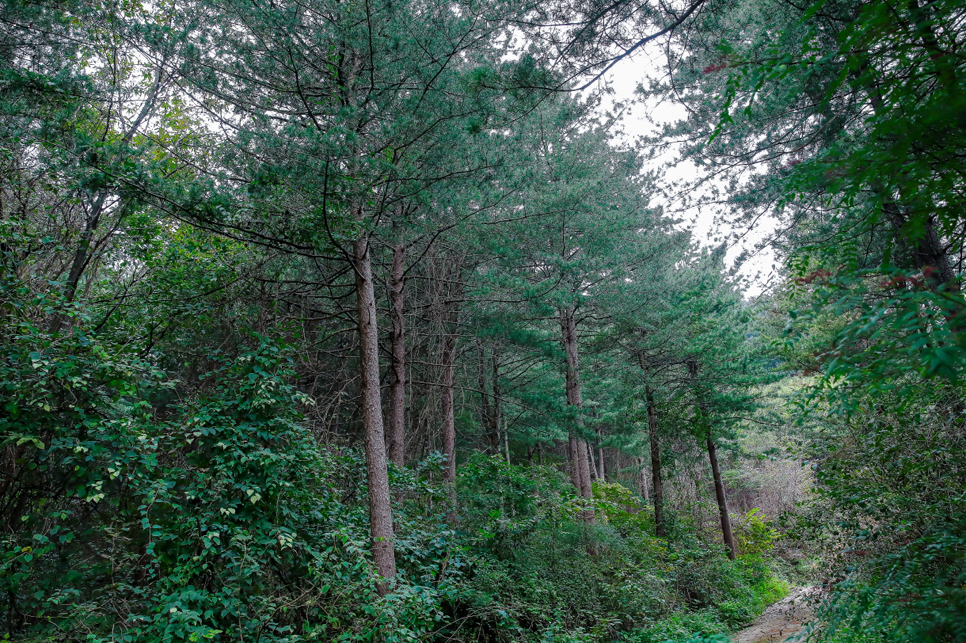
point(782, 620)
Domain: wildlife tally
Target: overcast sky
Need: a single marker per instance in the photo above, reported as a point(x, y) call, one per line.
point(637, 121)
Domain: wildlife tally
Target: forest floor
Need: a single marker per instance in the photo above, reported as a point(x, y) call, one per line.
point(782, 620)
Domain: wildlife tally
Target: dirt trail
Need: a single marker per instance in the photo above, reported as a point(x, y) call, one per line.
point(781, 620)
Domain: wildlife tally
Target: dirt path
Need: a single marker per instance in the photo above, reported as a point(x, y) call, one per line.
point(781, 620)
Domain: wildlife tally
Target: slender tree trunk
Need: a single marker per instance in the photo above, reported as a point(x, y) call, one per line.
point(580, 465)
point(79, 262)
point(449, 419)
point(602, 475)
point(81, 258)
point(497, 400)
point(583, 460)
point(657, 485)
point(593, 464)
point(491, 433)
point(506, 442)
point(377, 474)
point(572, 458)
point(719, 493)
point(452, 267)
point(450, 330)
point(642, 473)
point(82, 255)
point(397, 384)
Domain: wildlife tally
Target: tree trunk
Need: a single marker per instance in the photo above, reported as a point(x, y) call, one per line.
point(927, 250)
point(449, 418)
point(572, 460)
point(377, 474)
point(81, 258)
point(497, 401)
point(583, 460)
point(602, 474)
point(79, 262)
point(657, 485)
point(450, 330)
point(506, 442)
point(491, 433)
point(580, 466)
point(642, 480)
point(397, 384)
point(719, 493)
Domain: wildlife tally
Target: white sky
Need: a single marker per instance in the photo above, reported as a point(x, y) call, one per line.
point(623, 78)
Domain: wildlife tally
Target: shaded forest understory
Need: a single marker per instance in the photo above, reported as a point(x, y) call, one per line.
point(365, 320)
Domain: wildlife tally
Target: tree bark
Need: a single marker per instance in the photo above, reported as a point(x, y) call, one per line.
point(572, 458)
point(719, 493)
point(602, 474)
point(583, 465)
point(397, 384)
point(642, 480)
point(657, 485)
point(377, 474)
point(927, 250)
point(449, 419)
point(594, 475)
point(491, 433)
point(497, 402)
point(81, 258)
point(580, 466)
point(506, 442)
point(449, 370)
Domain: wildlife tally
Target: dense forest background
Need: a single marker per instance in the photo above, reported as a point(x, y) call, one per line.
point(360, 320)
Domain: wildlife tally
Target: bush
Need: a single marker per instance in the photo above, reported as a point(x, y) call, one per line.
point(531, 571)
point(138, 516)
point(701, 626)
point(754, 535)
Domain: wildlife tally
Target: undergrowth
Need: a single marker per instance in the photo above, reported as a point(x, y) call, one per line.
point(142, 513)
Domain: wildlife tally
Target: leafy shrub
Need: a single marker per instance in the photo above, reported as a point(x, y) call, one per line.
point(139, 516)
point(531, 572)
point(753, 534)
point(700, 626)
point(893, 482)
point(623, 509)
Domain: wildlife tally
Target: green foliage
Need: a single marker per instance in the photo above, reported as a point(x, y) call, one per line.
point(887, 444)
point(531, 570)
point(888, 451)
point(622, 509)
point(754, 535)
point(179, 428)
point(700, 626)
point(892, 480)
point(845, 109)
point(215, 516)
